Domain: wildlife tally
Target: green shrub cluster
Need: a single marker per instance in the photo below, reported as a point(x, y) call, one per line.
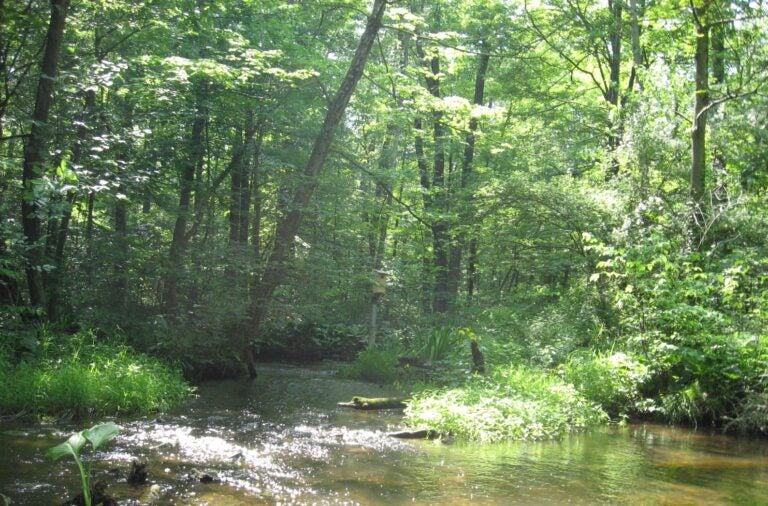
point(696, 319)
point(514, 403)
point(613, 380)
point(302, 340)
point(83, 377)
point(374, 365)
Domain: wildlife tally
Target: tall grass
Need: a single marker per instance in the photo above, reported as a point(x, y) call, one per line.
point(81, 377)
point(515, 403)
point(373, 365)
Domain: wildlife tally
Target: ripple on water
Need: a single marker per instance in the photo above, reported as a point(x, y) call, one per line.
point(282, 440)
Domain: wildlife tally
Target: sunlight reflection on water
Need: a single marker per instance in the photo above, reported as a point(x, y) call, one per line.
point(282, 440)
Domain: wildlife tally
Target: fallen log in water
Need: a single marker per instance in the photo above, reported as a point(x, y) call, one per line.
point(416, 434)
point(370, 403)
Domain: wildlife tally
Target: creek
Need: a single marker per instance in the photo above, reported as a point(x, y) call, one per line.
point(280, 439)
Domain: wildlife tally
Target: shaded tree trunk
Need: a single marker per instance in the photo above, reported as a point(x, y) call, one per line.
point(35, 152)
point(466, 188)
point(121, 244)
point(120, 251)
point(288, 224)
point(187, 183)
point(436, 190)
point(637, 11)
point(719, 164)
point(426, 192)
point(256, 197)
point(239, 192)
point(379, 219)
point(59, 229)
point(699, 131)
point(612, 94)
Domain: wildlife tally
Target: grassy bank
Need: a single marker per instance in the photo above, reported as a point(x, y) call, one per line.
point(80, 375)
point(513, 403)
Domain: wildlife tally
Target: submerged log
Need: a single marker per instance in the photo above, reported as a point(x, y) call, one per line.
point(370, 403)
point(416, 434)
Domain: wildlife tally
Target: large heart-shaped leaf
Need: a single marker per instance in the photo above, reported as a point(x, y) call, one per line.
point(71, 446)
point(100, 434)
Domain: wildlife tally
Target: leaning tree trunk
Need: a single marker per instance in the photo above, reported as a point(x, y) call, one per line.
point(288, 225)
point(35, 152)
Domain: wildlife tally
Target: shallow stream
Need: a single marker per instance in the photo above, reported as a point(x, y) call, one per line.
point(281, 440)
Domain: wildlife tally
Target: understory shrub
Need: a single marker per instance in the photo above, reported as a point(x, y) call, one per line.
point(301, 340)
point(710, 379)
point(612, 380)
point(514, 403)
point(374, 365)
point(437, 343)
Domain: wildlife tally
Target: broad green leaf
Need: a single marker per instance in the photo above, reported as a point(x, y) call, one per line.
point(100, 434)
point(71, 446)
point(65, 173)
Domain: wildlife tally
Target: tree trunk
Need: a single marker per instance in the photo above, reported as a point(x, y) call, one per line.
point(719, 163)
point(426, 192)
point(35, 152)
point(472, 278)
point(60, 230)
point(379, 220)
point(187, 183)
point(256, 198)
point(637, 11)
point(466, 186)
point(699, 132)
point(438, 196)
point(121, 251)
point(612, 95)
point(239, 185)
point(288, 224)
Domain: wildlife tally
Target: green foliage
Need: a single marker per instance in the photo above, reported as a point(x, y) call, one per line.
point(541, 330)
point(301, 340)
point(696, 319)
point(80, 376)
point(515, 403)
point(203, 348)
point(612, 380)
point(437, 343)
point(707, 380)
point(752, 413)
point(373, 365)
point(96, 435)
point(575, 197)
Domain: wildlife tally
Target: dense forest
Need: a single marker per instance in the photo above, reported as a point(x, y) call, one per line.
point(465, 194)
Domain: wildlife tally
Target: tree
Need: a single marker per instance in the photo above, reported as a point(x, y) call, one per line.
point(288, 224)
point(36, 153)
point(701, 13)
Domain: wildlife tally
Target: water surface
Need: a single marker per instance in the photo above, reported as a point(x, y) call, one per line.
point(281, 440)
